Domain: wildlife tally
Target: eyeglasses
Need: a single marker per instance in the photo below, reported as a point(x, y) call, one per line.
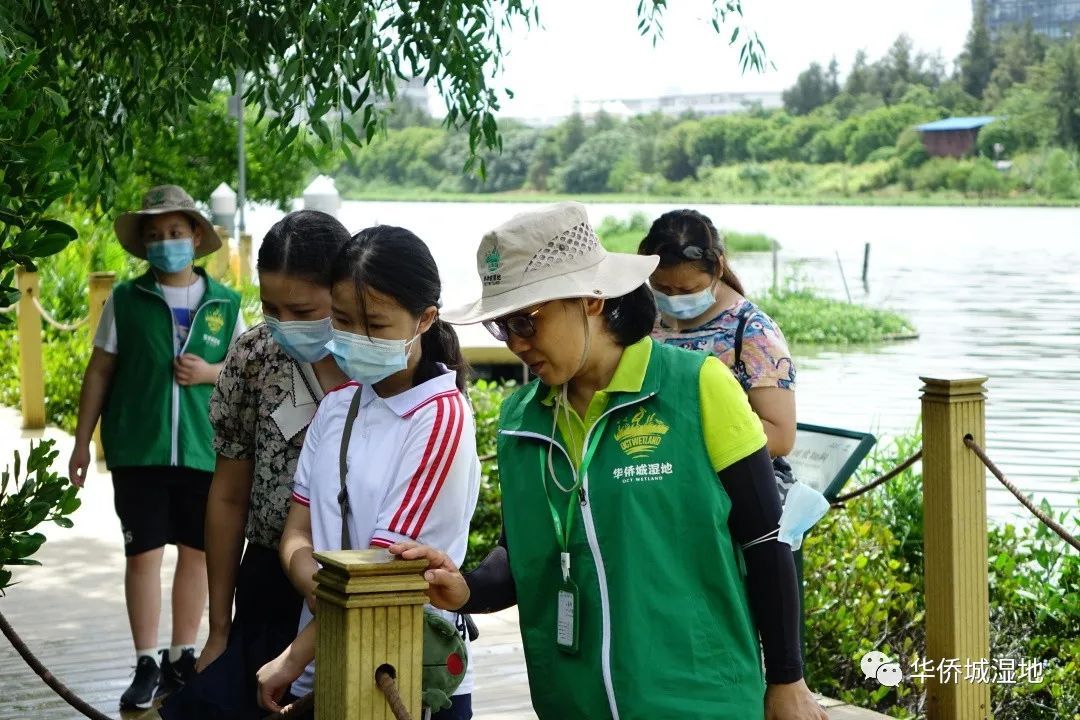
point(522, 324)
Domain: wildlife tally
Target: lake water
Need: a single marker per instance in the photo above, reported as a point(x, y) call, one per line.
point(992, 291)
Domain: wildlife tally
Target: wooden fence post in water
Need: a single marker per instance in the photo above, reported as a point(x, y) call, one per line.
point(370, 609)
point(955, 545)
point(31, 372)
point(101, 285)
point(219, 263)
point(245, 258)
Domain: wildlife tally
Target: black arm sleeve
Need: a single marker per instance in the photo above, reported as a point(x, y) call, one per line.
point(770, 566)
point(491, 586)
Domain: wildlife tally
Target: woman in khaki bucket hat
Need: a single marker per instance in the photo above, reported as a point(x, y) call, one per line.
point(639, 503)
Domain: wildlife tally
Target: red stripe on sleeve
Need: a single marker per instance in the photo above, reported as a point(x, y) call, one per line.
point(301, 500)
point(420, 470)
point(451, 454)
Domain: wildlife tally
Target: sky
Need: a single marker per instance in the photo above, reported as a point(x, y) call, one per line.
point(591, 49)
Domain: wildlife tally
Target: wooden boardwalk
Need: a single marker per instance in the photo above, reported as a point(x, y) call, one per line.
point(71, 613)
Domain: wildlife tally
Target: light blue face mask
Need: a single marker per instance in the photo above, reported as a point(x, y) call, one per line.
point(171, 255)
point(803, 508)
point(303, 340)
point(368, 360)
point(684, 307)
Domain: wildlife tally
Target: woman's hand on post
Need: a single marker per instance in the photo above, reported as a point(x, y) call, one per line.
point(447, 589)
point(792, 701)
point(79, 464)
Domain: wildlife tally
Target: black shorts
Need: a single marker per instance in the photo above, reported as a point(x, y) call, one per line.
point(160, 505)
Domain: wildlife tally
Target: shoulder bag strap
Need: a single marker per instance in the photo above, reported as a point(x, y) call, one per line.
point(744, 316)
point(343, 468)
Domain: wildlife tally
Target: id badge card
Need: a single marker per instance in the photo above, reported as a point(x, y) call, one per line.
point(566, 627)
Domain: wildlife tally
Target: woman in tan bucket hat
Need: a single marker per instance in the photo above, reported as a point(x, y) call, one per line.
point(632, 474)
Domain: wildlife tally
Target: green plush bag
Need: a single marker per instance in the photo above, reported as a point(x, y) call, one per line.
point(445, 657)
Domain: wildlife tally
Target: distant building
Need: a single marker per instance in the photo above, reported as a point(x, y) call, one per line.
point(952, 137)
point(1052, 18)
point(706, 104)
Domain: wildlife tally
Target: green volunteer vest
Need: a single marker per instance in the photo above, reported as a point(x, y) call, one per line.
point(148, 418)
point(665, 626)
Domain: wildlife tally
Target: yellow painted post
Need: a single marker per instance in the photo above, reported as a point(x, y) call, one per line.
point(955, 546)
point(370, 610)
point(101, 285)
point(245, 258)
point(219, 263)
point(31, 373)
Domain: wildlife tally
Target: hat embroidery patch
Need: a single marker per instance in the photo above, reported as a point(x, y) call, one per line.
point(493, 261)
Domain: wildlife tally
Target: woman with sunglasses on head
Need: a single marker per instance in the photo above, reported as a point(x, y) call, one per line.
point(631, 471)
point(703, 307)
point(406, 430)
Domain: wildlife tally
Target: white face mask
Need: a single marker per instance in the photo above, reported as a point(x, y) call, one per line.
point(685, 307)
point(368, 360)
point(803, 507)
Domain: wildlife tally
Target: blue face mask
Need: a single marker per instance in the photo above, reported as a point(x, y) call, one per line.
point(368, 360)
point(303, 340)
point(802, 509)
point(684, 307)
point(171, 255)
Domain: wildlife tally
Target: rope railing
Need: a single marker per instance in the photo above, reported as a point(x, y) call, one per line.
point(48, 318)
point(895, 472)
point(384, 680)
point(8, 309)
point(1024, 500)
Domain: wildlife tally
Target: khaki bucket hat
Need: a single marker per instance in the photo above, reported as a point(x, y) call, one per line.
point(158, 201)
point(548, 254)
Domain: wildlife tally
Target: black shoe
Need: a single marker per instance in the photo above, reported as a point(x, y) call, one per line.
point(174, 675)
point(140, 694)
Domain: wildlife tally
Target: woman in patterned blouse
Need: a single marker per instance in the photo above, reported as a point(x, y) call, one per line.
point(703, 307)
point(272, 382)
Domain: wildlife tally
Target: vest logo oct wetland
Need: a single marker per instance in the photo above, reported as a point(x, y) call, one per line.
point(641, 433)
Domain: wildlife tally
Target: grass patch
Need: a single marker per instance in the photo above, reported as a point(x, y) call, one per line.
point(807, 318)
point(624, 236)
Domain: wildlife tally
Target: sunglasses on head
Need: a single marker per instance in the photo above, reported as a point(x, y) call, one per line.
point(521, 324)
point(693, 252)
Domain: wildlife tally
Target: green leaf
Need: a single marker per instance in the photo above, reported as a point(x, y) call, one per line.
point(56, 227)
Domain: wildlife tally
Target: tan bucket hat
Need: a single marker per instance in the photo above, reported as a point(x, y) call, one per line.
point(547, 254)
point(158, 201)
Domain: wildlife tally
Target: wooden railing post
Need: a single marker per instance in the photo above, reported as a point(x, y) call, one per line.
point(245, 258)
point(370, 610)
point(101, 285)
point(31, 372)
point(219, 263)
point(955, 544)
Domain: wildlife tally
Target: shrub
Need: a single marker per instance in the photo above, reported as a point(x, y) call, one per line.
point(933, 175)
point(1059, 177)
point(985, 180)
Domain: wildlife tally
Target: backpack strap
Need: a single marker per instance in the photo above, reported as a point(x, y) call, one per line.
point(343, 468)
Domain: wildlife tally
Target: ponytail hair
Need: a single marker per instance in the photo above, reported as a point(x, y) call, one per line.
point(395, 262)
point(687, 236)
